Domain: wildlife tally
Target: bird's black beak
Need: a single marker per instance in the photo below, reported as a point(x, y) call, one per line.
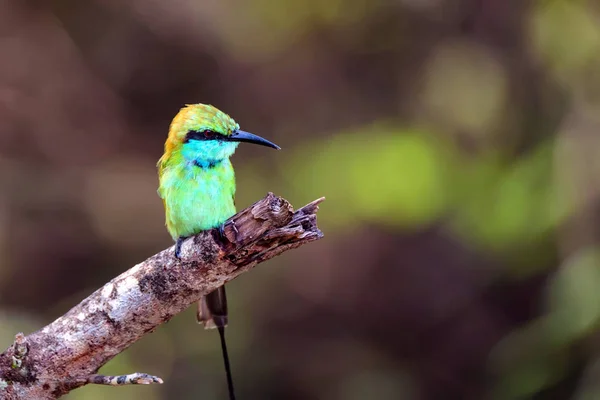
point(241, 136)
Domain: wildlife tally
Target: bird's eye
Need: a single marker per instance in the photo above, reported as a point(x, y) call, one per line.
point(209, 134)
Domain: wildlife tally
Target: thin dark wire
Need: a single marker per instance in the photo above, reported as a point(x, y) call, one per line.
point(226, 361)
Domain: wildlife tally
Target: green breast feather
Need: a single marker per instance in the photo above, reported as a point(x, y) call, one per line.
point(197, 198)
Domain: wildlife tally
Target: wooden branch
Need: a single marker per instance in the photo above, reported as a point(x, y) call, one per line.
point(67, 353)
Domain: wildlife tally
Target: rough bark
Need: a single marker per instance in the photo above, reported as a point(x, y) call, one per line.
point(67, 353)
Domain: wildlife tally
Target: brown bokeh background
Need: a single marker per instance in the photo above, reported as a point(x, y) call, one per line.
point(457, 143)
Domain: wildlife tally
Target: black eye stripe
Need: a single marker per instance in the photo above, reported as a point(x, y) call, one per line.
point(203, 135)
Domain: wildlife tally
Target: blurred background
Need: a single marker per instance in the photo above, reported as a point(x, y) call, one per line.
point(456, 142)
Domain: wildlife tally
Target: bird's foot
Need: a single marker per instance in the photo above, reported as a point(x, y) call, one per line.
point(235, 229)
point(178, 244)
point(221, 231)
point(222, 234)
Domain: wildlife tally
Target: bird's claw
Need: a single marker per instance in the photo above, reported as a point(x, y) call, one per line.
point(221, 230)
point(178, 244)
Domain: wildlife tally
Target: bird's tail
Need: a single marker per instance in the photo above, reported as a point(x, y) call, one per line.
point(212, 309)
point(212, 312)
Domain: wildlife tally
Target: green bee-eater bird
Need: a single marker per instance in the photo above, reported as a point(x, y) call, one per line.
point(197, 185)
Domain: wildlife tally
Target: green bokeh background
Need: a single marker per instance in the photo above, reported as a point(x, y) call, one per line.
point(456, 141)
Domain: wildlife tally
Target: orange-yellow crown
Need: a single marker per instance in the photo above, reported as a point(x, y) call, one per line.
point(198, 117)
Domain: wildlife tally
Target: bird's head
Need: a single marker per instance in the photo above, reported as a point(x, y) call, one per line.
point(201, 132)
